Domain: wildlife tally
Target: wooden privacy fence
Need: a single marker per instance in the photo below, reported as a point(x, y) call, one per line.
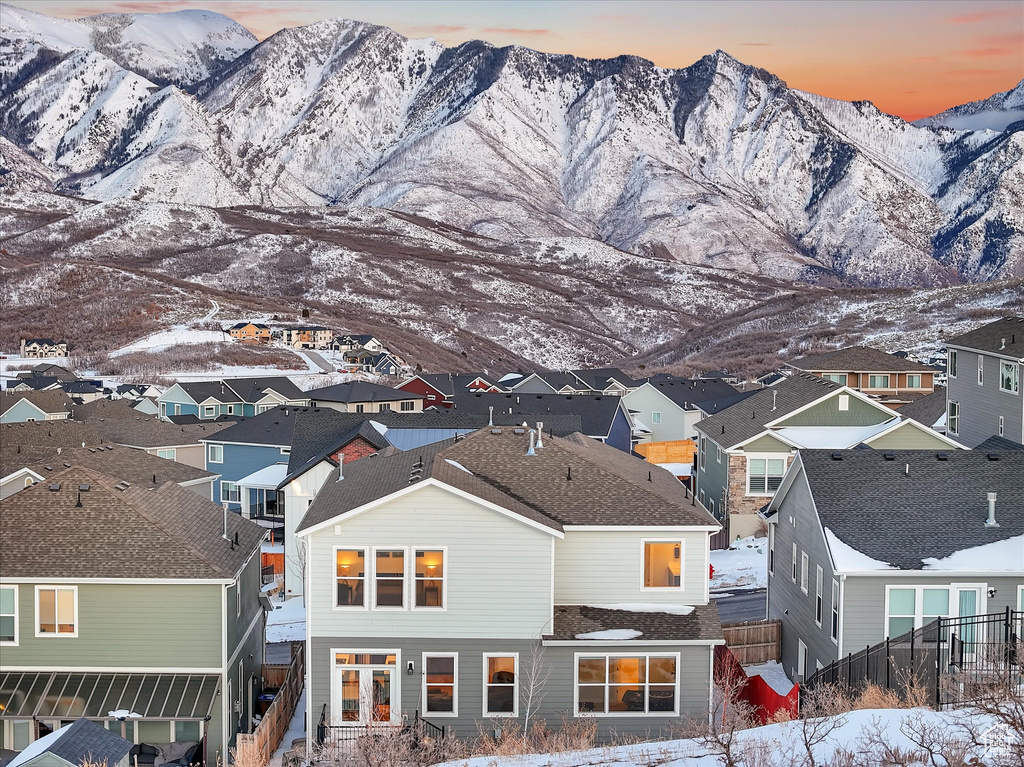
point(264, 740)
point(754, 641)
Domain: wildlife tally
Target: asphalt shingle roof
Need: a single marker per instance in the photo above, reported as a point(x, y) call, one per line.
point(748, 417)
point(449, 383)
point(702, 623)
point(318, 434)
point(271, 427)
point(61, 433)
point(687, 393)
point(120, 423)
point(47, 401)
point(996, 444)
point(928, 409)
point(858, 358)
point(992, 337)
point(87, 742)
point(359, 391)
point(134, 466)
point(242, 389)
point(132, 532)
point(902, 515)
point(570, 481)
point(596, 411)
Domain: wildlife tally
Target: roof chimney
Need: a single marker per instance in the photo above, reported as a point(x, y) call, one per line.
point(991, 521)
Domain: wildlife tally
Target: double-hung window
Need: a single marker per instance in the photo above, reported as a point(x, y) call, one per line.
point(389, 578)
point(229, 492)
point(624, 684)
point(914, 381)
point(981, 370)
point(951, 364)
point(430, 578)
point(878, 381)
point(501, 685)
point(350, 577)
point(215, 453)
point(911, 607)
point(817, 595)
point(803, 571)
point(1009, 376)
point(655, 417)
point(764, 475)
point(8, 615)
point(663, 564)
point(57, 611)
point(835, 612)
point(441, 684)
point(953, 417)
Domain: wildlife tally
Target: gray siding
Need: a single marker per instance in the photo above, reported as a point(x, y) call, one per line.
point(713, 478)
point(786, 601)
point(675, 422)
point(981, 406)
point(250, 585)
point(827, 413)
point(694, 672)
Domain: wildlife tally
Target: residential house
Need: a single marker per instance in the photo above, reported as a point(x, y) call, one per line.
point(720, 375)
point(604, 418)
point(607, 381)
point(84, 391)
point(43, 348)
point(438, 389)
point(437, 579)
point(77, 743)
point(23, 465)
point(34, 383)
point(865, 545)
point(381, 363)
point(307, 336)
point(145, 406)
point(208, 400)
point(983, 390)
point(159, 615)
point(744, 450)
point(22, 406)
point(250, 332)
point(136, 391)
point(48, 370)
point(891, 379)
point(60, 433)
point(122, 424)
point(364, 397)
point(669, 410)
point(929, 410)
point(351, 342)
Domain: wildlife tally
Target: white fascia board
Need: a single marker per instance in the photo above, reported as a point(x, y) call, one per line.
point(910, 423)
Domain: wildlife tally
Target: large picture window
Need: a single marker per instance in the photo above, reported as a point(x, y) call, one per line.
point(911, 607)
point(56, 611)
point(430, 573)
point(607, 684)
point(663, 564)
point(350, 567)
point(1009, 376)
point(764, 475)
point(501, 683)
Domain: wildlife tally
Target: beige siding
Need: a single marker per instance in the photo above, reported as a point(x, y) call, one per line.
point(498, 570)
point(910, 437)
point(190, 455)
point(767, 444)
point(601, 567)
point(122, 625)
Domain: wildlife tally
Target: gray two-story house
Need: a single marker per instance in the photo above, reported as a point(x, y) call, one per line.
point(461, 580)
point(133, 606)
point(865, 545)
point(983, 390)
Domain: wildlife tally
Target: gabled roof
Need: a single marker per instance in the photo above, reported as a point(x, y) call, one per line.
point(43, 341)
point(60, 433)
point(858, 359)
point(927, 410)
point(359, 391)
point(996, 444)
point(448, 383)
point(191, 419)
point(36, 383)
point(743, 420)
point(571, 481)
point(241, 389)
point(47, 401)
point(129, 531)
point(318, 435)
point(81, 742)
point(688, 393)
point(600, 379)
point(80, 387)
point(939, 499)
point(597, 412)
point(271, 427)
point(240, 325)
point(557, 380)
point(702, 623)
point(1004, 337)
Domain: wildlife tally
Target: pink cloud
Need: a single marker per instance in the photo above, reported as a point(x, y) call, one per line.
point(436, 29)
point(985, 53)
point(974, 72)
point(979, 16)
point(515, 31)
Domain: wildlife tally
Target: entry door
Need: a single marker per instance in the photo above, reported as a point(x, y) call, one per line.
point(968, 601)
point(363, 695)
point(801, 660)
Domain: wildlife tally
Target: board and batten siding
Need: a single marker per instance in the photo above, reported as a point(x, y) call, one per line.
point(499, 570)
point(606, 566)
point(126, 625)
point(693, 671)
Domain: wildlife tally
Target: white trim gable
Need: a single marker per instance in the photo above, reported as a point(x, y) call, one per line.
point(429, 482)
point(909, 423)
point(176, 391)
point(828, 395)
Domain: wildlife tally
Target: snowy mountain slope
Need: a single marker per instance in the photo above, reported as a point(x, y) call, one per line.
point(995, 113)
point(20, 171)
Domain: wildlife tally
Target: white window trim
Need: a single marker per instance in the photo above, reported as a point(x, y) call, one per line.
point(795, 560)
point(238, 598)
point(406, 600)
point(981, 370)
point(719, 453)
point(833, 628)
point(834, 378)
point(766, 457)
point(656, 417)
point(455, 685)
point(515, 688)
point(224, 486)
point(771, 551)
point(209, 454)
point(886, 376)
point(170, 454)
point(444, 578)
point(819, 597)
point(1020, 598)
point(17, 616)
point(396, 679)
point(804, 575)
point(949, 417)
point(920, 380)
point(682, 570)
point(608, 656)
point(1002, 426)
point(334, 580)
point(1014, 367)
point(951, 363)
point(918, 602)
point(56, 635)
point(209, 410)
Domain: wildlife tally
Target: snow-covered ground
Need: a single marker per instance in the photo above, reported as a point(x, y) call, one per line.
point(288, 622)
point(174, 336)
point(743, 565)
point(781, 744)
point(296, 729)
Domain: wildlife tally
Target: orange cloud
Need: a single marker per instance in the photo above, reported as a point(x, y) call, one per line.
point(514, 31)
point(979, 16)
point(974, 72)
point(984, 53)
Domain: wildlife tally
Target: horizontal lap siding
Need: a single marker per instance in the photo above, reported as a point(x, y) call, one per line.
point(159, 626)
point(600, 567)
point(499, 570)
point(827, 413)
point(694, 675)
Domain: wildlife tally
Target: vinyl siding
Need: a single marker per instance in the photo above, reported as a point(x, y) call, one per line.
point(827, 413)
point(22, 411)
point(499, 570)
point(602, 567)
point(240, 461)
point(621, 433)
point(981, 406)
point(647, 400)
point(713, 478)
point(297, 496)
point(410, 439)
point(693, 671)
point(909, 437)
point(122, 625)
point(767, 444)
point(250, 585)
point(190, 455)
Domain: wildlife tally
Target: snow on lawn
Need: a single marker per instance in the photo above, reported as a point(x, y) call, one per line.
point(780, 741)
point(178, 335)
point(611, 634)
point(288, 622)
point(772, 673)
point(743, 564)
point(296, 728)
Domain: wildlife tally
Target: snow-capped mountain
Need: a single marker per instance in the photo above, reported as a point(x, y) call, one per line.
point(995, 113)
point(715, 164)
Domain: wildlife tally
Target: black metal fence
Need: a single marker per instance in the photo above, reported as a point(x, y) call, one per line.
point(953, 660)
point(335, 735)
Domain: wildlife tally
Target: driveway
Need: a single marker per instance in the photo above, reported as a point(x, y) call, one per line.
point(317, 359)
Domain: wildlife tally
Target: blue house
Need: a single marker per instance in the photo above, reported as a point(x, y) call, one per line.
point(236, 396)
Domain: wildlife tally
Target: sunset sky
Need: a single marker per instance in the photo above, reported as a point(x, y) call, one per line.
point(912, 58)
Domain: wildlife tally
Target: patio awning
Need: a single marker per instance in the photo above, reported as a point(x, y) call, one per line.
point(267, 478)
point(70, 695)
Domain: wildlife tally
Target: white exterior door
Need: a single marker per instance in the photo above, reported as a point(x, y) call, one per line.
point(365, 694)
point(969, 600)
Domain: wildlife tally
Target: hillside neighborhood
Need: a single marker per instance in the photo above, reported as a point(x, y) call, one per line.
point(274, 568)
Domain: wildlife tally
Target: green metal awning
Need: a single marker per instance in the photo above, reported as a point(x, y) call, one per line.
point(63, 695)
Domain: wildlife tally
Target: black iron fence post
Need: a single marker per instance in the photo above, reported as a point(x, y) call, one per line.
point(888, 662)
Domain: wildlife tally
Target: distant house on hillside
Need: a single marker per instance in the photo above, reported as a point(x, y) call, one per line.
point(40, 348)
point(363, 397)
point(439, 388)
point(230, 397)
point(48, 370)
point(250, 333)
point(307, 336)
point(893, 380)
point(345, 342)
